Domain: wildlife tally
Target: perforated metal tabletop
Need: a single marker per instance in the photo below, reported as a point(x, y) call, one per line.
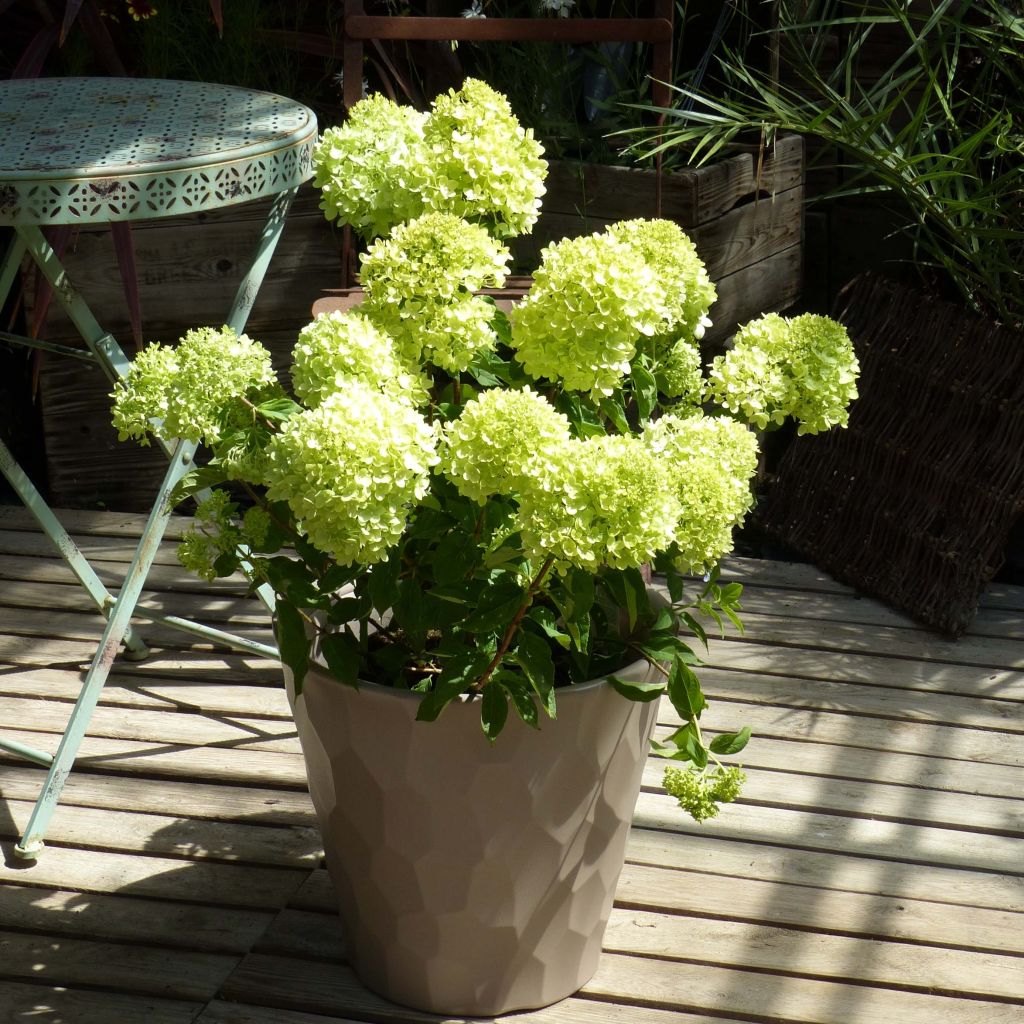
point(114, 149)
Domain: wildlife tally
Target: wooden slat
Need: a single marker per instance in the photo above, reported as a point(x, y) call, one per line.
point(24, 1002)
point(173, 974)
point(133, 757)
point(700, 986)
point(199, 881)
point(234, 731)
point(808, 662)
point(904, 804)
point(866, 837)
point(123, 918)
point(697, 850)
point(197, 839)
point(166, 796)
point(145, 690)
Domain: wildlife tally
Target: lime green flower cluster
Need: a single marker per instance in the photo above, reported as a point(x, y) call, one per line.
point(803, 367)
point(469, 156)
point(351, 468)
point(600, 501)
point(689, 291)
point(596, 298)
point(711, 461)
point(216, 533)
point(338, 347)
point(484, 166)
point(592, 299)
point(371, 170)
point(700, 792)
point(420, 284)
point(497, 442)
point(189, 387)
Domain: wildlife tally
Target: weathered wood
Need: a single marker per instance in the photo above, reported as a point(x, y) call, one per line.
point(167, 796)
point(172, 974)
point(144, 691)
point(885, 840)
point(25, 1002)
point(696, 850)
point(199, 881)
point(122, 918)
point(238, 733)
point(902, 804)
point(698, 986)
point(185, 760)
point(196, 839)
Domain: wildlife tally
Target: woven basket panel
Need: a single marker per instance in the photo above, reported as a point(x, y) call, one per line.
point(913, 503)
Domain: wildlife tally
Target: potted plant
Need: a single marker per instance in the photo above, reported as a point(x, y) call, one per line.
point(458, 510)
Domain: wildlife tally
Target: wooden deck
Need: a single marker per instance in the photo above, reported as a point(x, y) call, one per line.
point(871, 874)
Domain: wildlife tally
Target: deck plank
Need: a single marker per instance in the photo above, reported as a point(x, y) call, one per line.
point(871, 870)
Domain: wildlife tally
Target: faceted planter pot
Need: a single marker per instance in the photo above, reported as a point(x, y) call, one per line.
point(473, 878)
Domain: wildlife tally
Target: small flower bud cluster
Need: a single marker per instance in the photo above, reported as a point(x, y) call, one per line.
point(700, 792)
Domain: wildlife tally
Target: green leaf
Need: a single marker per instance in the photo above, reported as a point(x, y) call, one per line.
point(696, 628)
point(645, 390)
point(455, 557)
point(455, 678)
point(293, 580)
point(731, 742)
point(614, 409)
point(683, 745)
point(493, 710)
point(547, 620)
point(684, 691)
point(292, 641)
point(278, 408)
point(383, 582)
point(497, 605)
point(534, 657)
point(522, 697)
point(641, 691)
point(341, 652)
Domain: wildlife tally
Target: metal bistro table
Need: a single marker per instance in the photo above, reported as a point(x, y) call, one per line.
point(103, 150)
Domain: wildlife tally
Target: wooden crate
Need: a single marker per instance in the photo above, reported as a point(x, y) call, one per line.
point(746, 221)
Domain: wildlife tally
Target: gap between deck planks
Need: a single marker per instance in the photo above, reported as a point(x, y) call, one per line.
point(872, 872)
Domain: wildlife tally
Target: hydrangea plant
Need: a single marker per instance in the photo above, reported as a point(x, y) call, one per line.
point(455, 500)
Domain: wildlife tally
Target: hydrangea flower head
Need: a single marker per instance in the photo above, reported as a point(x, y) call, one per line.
point(350, 469)
point(805, 368)
point(602, 501)
point(689, 291)
point(711, 461)
point(592, 299)
point(419, 286)
point(496, 444)
point(339, 347)
point(484, 166)
point(190, 387)
point(371, 170)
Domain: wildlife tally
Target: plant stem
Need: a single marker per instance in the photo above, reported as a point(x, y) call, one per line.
point(513, 626)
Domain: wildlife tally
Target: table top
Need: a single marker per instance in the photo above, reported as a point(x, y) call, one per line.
point(74, 150)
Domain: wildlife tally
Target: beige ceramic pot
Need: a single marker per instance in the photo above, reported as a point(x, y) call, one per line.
point(473, 878)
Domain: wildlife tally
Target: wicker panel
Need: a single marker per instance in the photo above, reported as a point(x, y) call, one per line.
point(914, 502)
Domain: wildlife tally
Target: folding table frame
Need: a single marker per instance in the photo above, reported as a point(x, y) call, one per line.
point(103, 150)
